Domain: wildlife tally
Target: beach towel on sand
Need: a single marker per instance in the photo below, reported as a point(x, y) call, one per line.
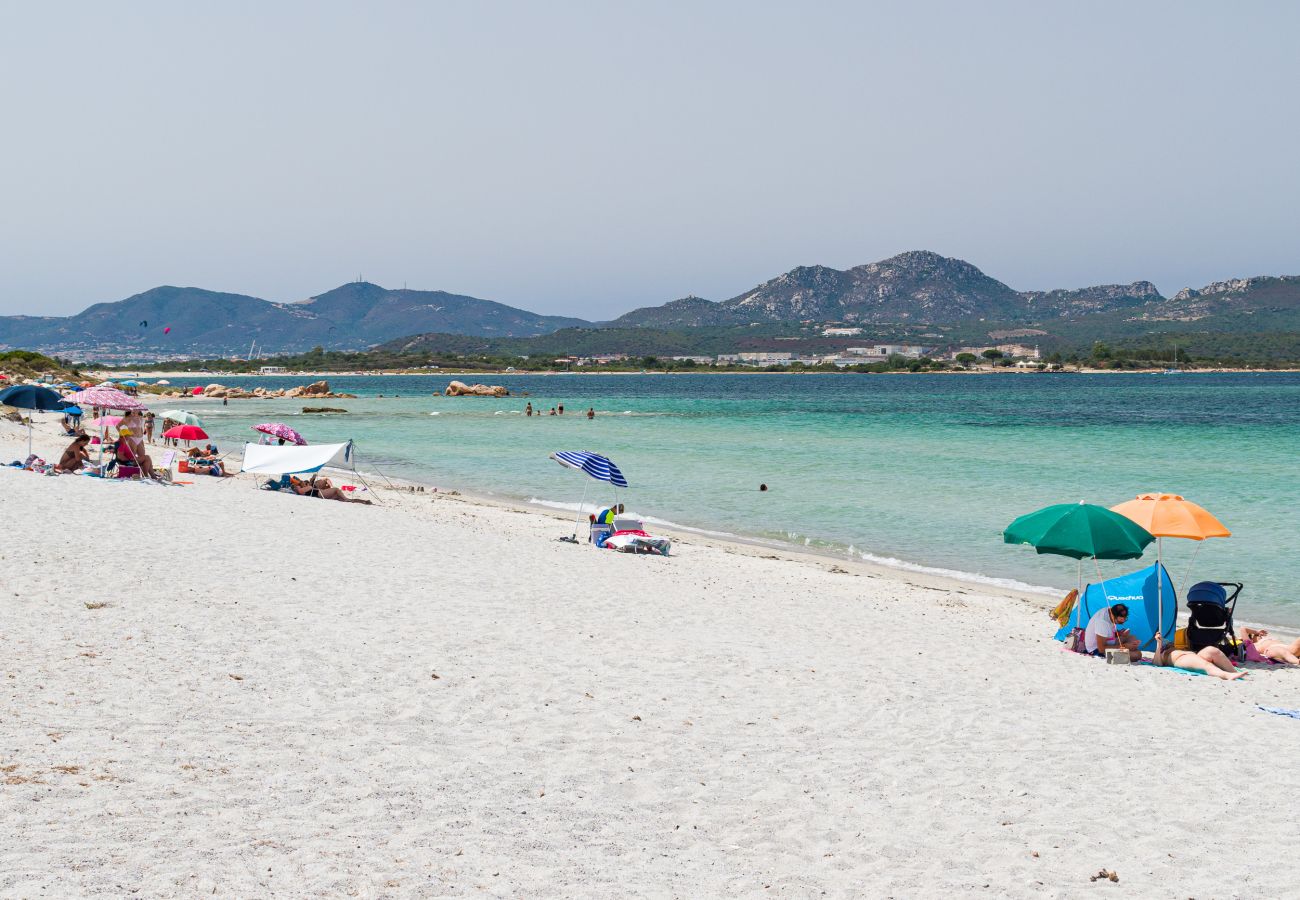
point(1063, 609)
point(1282, 711)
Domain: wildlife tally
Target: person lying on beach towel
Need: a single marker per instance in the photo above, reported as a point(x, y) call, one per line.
point(323, 488)
point(1210, 661)
point(1270, 647)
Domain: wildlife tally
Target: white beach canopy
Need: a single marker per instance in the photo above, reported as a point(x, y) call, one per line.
point(266, 459)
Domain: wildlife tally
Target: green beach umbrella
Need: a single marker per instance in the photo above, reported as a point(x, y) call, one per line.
point(183, 417)
point(1079, 531)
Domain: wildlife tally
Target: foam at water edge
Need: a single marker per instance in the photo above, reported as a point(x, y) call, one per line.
point(974, 577)
point(886, 561)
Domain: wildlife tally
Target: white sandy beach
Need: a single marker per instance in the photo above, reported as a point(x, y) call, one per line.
point(295, 697)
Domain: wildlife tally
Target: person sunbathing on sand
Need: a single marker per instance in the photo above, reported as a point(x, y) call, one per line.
point(1209, 660)
point(322, 488)
point(1270, 647)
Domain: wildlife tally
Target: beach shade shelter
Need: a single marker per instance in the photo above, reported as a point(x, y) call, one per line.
point(282, 431)
point(186, 433)
point(72, 410)
point(1140, 591)
point(182, 417)
point(1080, 531)
point(1170, 515)
point(33, 398)
point(596, 467)
point(268, 459)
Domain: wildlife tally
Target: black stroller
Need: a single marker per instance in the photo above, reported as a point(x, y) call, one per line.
point(1209, 621)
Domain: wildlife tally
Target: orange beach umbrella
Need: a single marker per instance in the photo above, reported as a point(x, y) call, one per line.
point(1170, 515)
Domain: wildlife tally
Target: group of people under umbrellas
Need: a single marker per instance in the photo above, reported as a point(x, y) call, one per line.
point(1086, 531)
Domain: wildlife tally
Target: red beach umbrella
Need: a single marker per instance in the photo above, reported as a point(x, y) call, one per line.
point(197, 392)
point(186, 433)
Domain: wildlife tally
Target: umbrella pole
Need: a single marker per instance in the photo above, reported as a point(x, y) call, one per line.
point(577, 518)
point(1160, 594)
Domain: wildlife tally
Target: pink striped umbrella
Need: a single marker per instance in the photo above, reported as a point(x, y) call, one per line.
point(105, 422)
point(105, 398)
point(281, 430)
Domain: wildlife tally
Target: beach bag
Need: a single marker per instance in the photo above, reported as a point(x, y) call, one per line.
point(1074, 641)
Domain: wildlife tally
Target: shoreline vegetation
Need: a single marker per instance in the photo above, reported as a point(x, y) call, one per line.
point(22, 364)
point(126, 371)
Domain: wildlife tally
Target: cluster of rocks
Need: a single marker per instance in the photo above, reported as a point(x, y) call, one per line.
point(318, 389)
point(461, 389)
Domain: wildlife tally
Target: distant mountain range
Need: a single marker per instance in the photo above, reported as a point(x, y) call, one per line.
point(912, 287)
point(907, 291)
point(170, 320)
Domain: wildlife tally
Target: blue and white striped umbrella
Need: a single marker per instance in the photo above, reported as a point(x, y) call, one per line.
point(598, 467)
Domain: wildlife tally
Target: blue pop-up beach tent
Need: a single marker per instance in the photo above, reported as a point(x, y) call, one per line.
point(1137, 591)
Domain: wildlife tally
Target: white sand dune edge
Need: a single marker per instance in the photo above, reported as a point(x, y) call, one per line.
point(254, 712)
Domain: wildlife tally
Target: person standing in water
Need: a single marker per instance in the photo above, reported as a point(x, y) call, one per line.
point(528, 410)
point(561, 408)
point(591, 412)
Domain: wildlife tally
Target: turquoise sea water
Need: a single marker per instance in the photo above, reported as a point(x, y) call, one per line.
point(919, 470)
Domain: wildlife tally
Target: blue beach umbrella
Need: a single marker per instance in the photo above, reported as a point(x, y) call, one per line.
point(72, 410)
point(599, 467)
point(33, 397)
point(595, 466)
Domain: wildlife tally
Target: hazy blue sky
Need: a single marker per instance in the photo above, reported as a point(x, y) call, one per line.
point(588, 158)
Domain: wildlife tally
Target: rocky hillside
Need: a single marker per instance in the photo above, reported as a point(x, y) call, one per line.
point(918, 286)
point(170, 320)
point(1262, 295)
point(1082, 301)
point(690, 312)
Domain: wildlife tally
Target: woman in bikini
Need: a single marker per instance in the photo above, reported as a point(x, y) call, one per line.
point(1270, 647)
point(322, 488)
point(1210, 661)
point(76, 455)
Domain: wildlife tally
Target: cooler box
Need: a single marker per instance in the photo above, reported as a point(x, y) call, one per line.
point(599, 532)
